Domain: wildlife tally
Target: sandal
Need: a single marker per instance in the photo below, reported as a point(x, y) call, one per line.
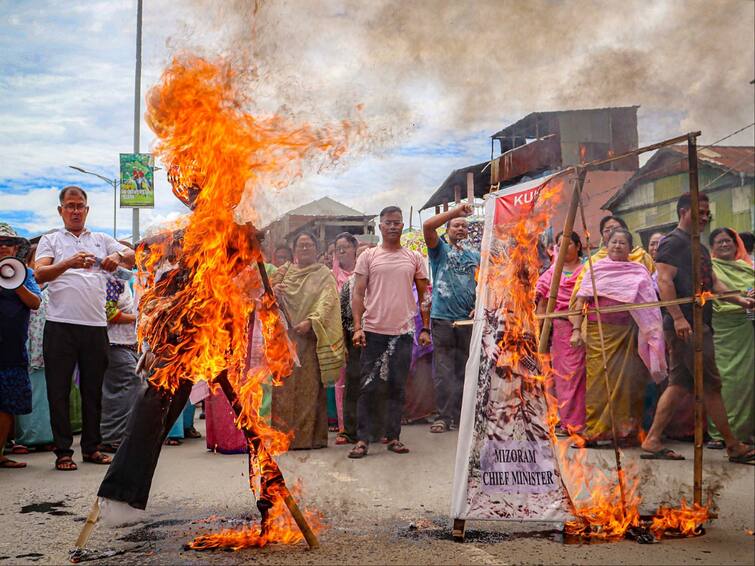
point(397, 447)
point(65, 464)
point(11, 464)
point(110, 448)
point(716, 445)
point(439, 426)
point(344, 438)
point(359, 451)
point(746, 458)
point(96, 457)
point(662, 454)
point(192, 433)
point(19, 449)
point(173, 442)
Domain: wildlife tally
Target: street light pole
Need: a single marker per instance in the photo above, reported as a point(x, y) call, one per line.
point(113, 183)
point(137, 118)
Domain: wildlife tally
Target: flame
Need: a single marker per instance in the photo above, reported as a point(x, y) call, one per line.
point(598, 506)
point(196, 318)
point(280, 528)
point(684, 520)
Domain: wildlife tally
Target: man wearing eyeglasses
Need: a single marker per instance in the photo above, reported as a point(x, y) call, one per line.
point(71, 261)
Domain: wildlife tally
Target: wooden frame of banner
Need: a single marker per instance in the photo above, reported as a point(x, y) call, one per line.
point(575, 204)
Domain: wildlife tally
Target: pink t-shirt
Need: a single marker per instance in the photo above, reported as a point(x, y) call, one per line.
point(389, 304)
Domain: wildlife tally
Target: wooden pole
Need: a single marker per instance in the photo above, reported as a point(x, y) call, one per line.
point(571, 214)
point(609, 390)
point(470, 188)
point(697, 319)
point(411, 216)
point(86, 530)
point(457, 194)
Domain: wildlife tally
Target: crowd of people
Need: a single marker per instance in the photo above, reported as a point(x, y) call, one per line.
point(365, 321)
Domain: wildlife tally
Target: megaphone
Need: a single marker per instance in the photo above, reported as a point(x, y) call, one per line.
point(12, 273)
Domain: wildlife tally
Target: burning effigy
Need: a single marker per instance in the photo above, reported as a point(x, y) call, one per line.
point(203, 286)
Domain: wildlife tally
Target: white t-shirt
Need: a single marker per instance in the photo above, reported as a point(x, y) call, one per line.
point(78, 295)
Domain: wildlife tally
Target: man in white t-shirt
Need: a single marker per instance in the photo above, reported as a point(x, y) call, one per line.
point(384, 308)
point(72, 260)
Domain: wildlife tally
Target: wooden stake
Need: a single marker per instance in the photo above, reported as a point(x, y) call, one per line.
point(470, 188)
point(609, 390)
point(697, 320)
point(458, 530)
point(86, 530)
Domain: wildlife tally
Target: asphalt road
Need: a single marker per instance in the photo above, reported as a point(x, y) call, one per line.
point(383, 509)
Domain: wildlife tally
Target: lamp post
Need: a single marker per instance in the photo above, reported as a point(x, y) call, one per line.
point(112, 182)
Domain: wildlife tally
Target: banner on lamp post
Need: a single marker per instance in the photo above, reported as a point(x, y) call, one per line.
point(137, 180)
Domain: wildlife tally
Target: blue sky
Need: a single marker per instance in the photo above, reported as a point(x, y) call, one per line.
point(434, 87)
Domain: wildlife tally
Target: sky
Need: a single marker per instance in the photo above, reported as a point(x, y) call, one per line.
point(430, 79)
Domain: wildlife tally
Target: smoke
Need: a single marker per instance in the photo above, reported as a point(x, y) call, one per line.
point(442, 65)
point(427, 73)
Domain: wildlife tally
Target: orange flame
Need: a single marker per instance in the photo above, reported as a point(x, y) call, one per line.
point(196, 318)
point(684, 520)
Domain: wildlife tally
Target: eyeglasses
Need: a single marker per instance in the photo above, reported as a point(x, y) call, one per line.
point(71, 207)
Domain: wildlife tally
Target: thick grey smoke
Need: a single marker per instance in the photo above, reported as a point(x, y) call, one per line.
point(446, 65)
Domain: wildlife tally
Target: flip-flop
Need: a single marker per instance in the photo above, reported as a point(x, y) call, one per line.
point(343, 438)
point(359, 451)
point(19, 449)
point(662, 454)
point(746, 458)
point(397, 447)
point(716, 445)
point(439, 426)
point(97, 458)
point(11, 464)
point(65, 464)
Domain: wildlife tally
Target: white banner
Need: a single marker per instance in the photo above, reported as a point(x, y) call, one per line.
point(506, 467)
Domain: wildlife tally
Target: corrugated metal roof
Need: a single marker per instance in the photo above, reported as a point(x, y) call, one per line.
point(325, 206)
point(733, 158)
point(736, 158)
point(519, 124)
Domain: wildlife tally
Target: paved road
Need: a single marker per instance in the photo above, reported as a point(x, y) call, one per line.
point(386, 508)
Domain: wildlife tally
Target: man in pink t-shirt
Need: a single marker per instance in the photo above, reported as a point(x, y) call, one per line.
point(384, 309)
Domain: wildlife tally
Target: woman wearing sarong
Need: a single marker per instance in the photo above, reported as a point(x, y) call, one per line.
point(634, 346)
point(568, 361)
point(733, 337)
point(307, 290)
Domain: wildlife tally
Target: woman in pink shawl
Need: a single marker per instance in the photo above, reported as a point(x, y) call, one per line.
point(344, 261)
point(633, 344)
point(568, 361)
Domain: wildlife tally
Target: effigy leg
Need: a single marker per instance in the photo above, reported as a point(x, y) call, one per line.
point(129, 477)
point(271, 478)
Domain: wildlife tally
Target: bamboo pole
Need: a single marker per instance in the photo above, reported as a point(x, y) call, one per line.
point(639, 306)
point(86, 530)
point(609, 391)
point(571, 214)
point(697, 319)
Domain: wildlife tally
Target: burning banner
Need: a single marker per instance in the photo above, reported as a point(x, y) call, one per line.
point(506, 464)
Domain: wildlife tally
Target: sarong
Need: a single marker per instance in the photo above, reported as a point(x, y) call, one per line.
point(299, 404)
point(627, 376)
